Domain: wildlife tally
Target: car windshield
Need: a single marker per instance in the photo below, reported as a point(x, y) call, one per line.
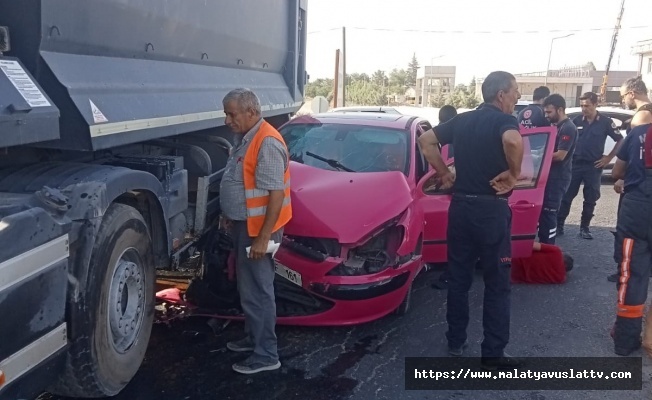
point(348, 147)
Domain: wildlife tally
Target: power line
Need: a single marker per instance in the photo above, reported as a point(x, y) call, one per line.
point(529, 32)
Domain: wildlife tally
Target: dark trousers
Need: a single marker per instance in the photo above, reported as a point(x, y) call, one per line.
point(634, 228)
point(555, 190)
point(583, 172)
point(256, 289)
point(479, 228)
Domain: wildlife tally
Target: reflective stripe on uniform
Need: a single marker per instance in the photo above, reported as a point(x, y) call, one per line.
point(253, 193)
point(628, 245)
point(631, 311)
point(258, 211)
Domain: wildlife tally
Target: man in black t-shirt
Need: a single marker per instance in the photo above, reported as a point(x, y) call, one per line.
point(559, 178)
point(488, 156)
point(533, 116)
point(593, 129)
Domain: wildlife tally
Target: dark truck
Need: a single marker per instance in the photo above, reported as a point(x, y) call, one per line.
point(112, 145)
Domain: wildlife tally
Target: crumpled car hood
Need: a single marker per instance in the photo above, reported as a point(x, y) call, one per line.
point(346, 206)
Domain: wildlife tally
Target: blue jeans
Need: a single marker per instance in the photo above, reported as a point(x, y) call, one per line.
point(256, 289)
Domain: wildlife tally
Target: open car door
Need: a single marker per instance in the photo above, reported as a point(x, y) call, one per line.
point(526, 201)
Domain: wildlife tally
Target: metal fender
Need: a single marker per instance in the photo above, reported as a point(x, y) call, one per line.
point(412, 223)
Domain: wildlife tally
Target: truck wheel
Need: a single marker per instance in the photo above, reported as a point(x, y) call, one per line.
point(113, 321)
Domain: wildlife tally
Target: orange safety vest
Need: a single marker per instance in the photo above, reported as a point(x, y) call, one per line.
point(258, 199)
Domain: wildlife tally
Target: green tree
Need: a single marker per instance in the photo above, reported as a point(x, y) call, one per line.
point(362, 93)
point(320, 87)
point(413, 67)
point(398, 81)
point(354, 77)
point(472, 86)
point(438, 100)
point(379, 78)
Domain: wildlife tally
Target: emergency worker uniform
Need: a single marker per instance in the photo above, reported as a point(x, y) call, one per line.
point(591, 139)
point(533, 116)
point(479, 225)
point(634, 231)
point(558, 181)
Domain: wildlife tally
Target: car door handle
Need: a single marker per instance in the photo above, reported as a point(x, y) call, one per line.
point(522, 205)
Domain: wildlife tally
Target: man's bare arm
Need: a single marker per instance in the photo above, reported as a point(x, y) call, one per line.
point(273, 212)
point(618, 171)
point(616, 148)
point(559, 155)
point(513, 148)
point(430, 149)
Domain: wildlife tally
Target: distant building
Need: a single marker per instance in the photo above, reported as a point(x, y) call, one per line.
point(434, 81)
point(644, 51)
point(570, 82)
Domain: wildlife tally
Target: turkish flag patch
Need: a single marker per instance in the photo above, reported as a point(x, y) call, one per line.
point(565, 138)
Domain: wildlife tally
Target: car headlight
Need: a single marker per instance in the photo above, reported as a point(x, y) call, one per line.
point(378, 253)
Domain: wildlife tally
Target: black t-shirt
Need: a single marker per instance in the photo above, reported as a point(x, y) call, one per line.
point(591, 137)
point(533, 116)
point(479, 156)
point(566, 140)
point(632, 153)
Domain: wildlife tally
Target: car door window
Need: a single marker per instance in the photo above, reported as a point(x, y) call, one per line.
point(534, 150)
point(421, 163)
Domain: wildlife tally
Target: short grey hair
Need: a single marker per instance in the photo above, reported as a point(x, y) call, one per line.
point(245, 98)
point(494, 83)
point(635, 85)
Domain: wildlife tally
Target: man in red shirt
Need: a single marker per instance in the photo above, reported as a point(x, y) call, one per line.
point(548, 264)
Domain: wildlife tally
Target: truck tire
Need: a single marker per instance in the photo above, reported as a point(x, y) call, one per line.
point(114, 320)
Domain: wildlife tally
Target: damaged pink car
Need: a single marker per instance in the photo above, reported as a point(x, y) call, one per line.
point(368, 215)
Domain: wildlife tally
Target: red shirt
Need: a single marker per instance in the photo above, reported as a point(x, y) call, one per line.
point(545, 266)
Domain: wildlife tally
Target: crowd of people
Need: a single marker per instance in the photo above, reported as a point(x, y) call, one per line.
point(488, 151)
point(488, 155)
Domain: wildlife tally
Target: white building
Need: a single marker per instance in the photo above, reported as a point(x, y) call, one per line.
point(644, 51)
point(570, 82)
point(433, 81)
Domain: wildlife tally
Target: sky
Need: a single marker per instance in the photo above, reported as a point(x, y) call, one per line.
point(384, 34)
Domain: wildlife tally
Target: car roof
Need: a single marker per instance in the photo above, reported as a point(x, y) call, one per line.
point(378, 109)
point(396, 121)
point(610, 110)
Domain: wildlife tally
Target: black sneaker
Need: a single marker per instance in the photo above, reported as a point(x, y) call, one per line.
point(585, 233)
point(614, 277)
point(504, 362)
point(560, 229)
point(625, 352)
point(458, 351)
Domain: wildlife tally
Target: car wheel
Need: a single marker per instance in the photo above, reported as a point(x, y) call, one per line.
point(113, 321)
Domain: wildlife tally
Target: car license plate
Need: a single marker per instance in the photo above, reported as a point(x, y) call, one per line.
point(287, 273)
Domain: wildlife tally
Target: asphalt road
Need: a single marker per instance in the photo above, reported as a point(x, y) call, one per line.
point(367, 361)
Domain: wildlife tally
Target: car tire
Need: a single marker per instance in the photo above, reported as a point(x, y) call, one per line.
point(404, 307)
point(113, 322)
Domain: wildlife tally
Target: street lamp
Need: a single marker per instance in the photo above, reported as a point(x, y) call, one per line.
point(545, 83)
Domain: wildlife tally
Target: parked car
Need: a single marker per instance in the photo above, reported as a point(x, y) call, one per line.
point(621, 117)
point(368, 215)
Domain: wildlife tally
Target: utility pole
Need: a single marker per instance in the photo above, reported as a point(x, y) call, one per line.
point(344, 65)
point(614, 39)
point(337, 75)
